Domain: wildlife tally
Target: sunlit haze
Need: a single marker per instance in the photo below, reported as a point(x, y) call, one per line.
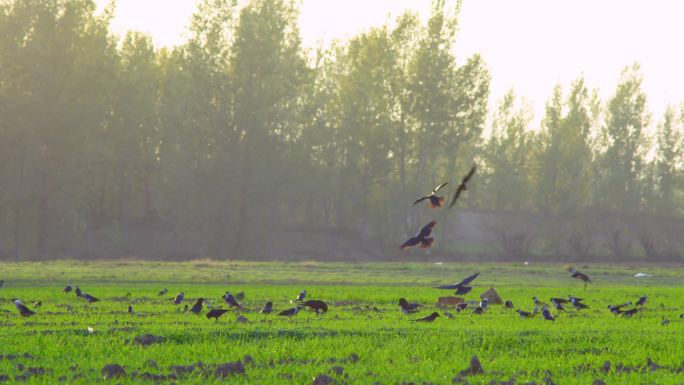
point(529, 44)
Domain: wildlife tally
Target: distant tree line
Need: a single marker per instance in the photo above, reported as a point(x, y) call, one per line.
point(241, 138)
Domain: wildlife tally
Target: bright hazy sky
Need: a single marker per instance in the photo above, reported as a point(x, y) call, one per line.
point(530, 45)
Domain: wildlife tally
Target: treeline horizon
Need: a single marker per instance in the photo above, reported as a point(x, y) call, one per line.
point(242, 144)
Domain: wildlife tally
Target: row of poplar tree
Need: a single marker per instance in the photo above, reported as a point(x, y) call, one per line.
point(110, 145)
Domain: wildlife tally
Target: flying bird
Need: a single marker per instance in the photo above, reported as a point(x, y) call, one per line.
point(216, 313)
point(579, 275)
point(230, 300)
point(435, 201)
point(197, 307)
point(429, 318)
point(179, 298)
point(289, 312)
point(163, 292)
point(463, 186)
point(508, 304)
point(422, 238)
point(558, 303)
point(23, 310)
point(267, 309)
point(577, 304)
point(461, 284)
point(68, 288)
point(407, 307)
point(316, 305)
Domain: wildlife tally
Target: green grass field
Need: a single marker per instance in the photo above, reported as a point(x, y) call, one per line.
point(363, 339)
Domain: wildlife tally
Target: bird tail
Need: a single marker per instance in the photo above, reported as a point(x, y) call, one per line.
point(426, 243)
point(439, 203)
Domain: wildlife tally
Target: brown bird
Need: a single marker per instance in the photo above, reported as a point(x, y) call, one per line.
point(316, 305)
point(429, 318)
point(435, 201)
point(581, 276)
point(422, 238)
point(216, 313)
point(463, 186)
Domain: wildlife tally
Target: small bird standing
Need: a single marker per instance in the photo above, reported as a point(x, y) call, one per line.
point(461, 306)
point(179, 298)
point(289, 312)
point(642, 300)
point(216, 313)
point(78, 291)
point(429, 318)
point(547, 314)
point(162, 292)
point(23, 310)
point(301, 296)
point(130, 309)
point(484, 303)
point(89, 298)
point(435, 201)
point(463, 186)
point(407, 307)
point(197, 307)
point(508, 304)
point(267, 309)
point(422, 238)
point(68, 288)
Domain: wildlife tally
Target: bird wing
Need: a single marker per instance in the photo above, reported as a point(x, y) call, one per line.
point(426, 230)
point(468, 279)
point(460, 188)
point(447, 287)
point(420, 200)
point(439, 187)
point(414, 241)
point(469, 175)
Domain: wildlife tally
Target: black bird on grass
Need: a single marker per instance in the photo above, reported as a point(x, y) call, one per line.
point(68, 288)
point(429, 318)
point(267, 309)
point(197, 307)
point(89, 298)
point(614, 309)
point(407, 307)
point(629, 313)
point(435, 201)
point(508, 304)
point(78, 291)
point(23, 310)
point(179, 298)
point(478, 310)
point(525, 314)
point(463, 186)
point(301, 296)
point(316, 305)
point(230, 300)
point(130, 309)
point(461, 306)
point(216, 313)
point(547, 314)
point(642, 300)
point(162, 292)
point(289, 312)
point(421, 239)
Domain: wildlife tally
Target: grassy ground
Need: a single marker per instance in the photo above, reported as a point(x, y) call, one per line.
point(363, 339)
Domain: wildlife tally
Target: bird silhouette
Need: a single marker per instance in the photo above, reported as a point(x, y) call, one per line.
point(429, 318)
point(197, 307)
point(289, 312)
point(435, 201)
point(463, 186)
point(301, 296)
point(231, 301)
point(130, 309)
point(642, 300)
point(460, 287)
point(179, 298)
point(89, 298)
point(581, 276)
point(525, 314)
point(508, 304)
point(407, 307)
point(78, 291)
point(68, 288)
point(23, 310)
point(547, 314)
point(316, 305)
point(267, 309)
point(422, 238)
point(216, 313)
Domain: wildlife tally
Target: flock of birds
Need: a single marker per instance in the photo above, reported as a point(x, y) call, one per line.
point(422, 240)
point(319, 307)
